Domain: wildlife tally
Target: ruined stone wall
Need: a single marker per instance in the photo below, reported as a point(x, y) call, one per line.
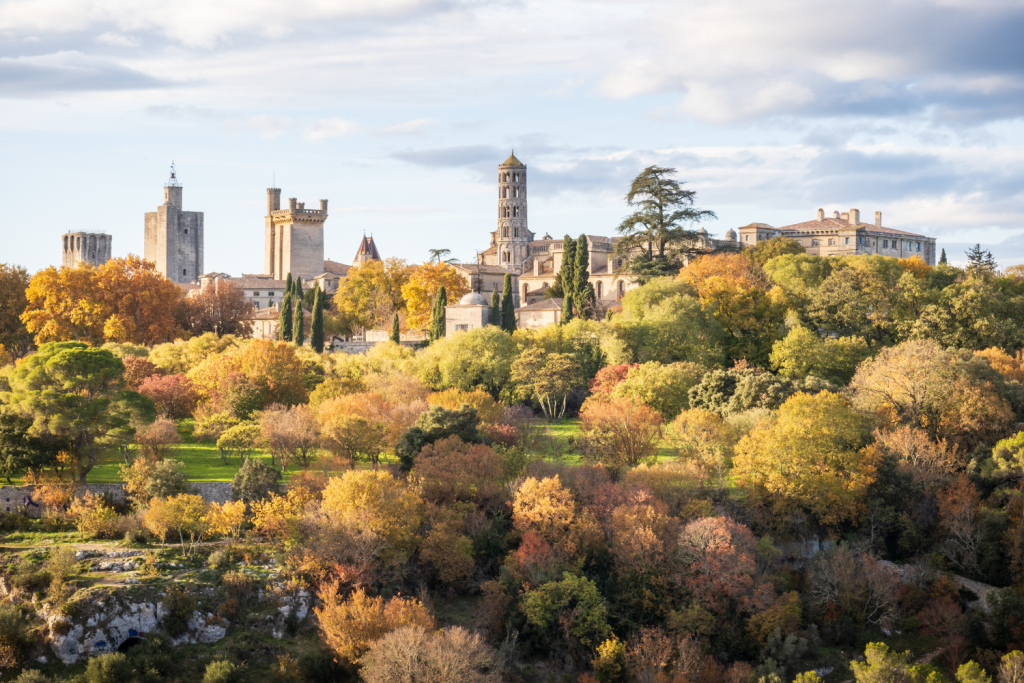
point(16, 498)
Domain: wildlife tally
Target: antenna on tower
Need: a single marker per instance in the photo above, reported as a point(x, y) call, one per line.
point(173, 181)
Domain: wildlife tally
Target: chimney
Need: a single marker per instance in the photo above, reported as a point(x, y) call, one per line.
point(844, 216)
point(821, 214)
point(878, 219)
point(835, 214)
point(854, 216)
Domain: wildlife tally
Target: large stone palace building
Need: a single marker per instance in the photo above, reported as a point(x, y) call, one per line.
point(843, 234)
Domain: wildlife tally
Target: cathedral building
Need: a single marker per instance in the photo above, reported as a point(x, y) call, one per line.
point(533, 262)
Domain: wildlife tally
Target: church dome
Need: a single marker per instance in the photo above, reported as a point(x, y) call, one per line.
point(473, 299)
point(730, 235)
point(703, 231)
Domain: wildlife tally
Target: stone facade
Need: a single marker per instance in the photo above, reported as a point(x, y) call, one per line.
point(174, 237)
point(540, 314)
point(19, 499)
point(91, 247)
point(843, 234)
point(293, 239)
point(471, 313)
point(534, 263)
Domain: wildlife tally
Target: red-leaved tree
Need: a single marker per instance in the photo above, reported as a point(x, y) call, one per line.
point(174, 395)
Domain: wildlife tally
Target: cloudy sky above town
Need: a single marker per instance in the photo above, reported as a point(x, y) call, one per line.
point(398, 112)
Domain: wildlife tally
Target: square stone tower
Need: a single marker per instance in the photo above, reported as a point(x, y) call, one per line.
point(174, 238)
point(294, 238)
point(91, 247)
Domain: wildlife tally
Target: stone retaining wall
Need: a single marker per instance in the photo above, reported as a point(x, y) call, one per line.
point(16, 498)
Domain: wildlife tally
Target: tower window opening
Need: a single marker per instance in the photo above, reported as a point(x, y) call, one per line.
point(184, 271)
point(600, 288)
point(516, 230)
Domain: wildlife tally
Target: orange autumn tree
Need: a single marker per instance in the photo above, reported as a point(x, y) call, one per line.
point(124, 300)
point(423, 286)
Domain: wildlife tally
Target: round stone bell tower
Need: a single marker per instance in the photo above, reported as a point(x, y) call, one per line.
point(513, 237)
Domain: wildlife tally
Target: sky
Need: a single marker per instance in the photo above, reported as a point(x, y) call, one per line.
point(399, 112)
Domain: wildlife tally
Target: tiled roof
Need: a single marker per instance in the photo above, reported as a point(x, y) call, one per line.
point(263, 314)
point(368, 248)
point(480, 268)
point(553, 304)
point(335, 267)
point(512, 161)
point(256, 283)
point(839, 224)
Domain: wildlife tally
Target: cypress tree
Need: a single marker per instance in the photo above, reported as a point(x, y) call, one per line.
point(288, 284)
point(496, 308)
point(581, 288)
point(396, 331)
point(568, 270)
point(508, 306)
point(299, 324)
point(566, 309)
point(284, 319)
point(437, 319)
point(297, 288)
point(316, 324)
point(556, 290)
point(942, 258)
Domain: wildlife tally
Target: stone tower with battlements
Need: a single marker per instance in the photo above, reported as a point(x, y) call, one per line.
point(512, 237)
point(91, 247)
point(294, 238)
point(174, 238)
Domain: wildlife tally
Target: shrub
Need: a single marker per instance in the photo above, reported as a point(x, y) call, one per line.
point(136, 536)
point(453, 655)
point(109, 668)
point(217, 559)
point(93, 517)
point(620, 432)
point(13, 631)
point(62, 563)
point(255, 480)
point(239, 586)
point(32, 676)
point(222, 671)
point(179, 605)
point(349, 626)
point(451, 471)
point(167, 479)
point(155, 441)
point(136, 370)
point(319, 667)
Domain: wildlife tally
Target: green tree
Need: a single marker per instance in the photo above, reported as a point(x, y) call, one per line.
point(496, 308)
point(547, 377)
point(766, 250)
point(477, 359)
point(284, 319)
point(555, 290)
point(396, 330)
point(288, 284)
point(297, 288)
point(437, 318)
point(75, 394)
point(441, 256)
point(20, 451)
point(571, 608)
point(436, 424)
point(14, 337)
point(581, 289)
point(980, 261)
point(971, 672)
point(803, 352)
point(299, 324)
point(567, 311)
point(664, 387)
point(316, 324)
point(654, 239)
point(567, 273)
point(942, 258)
point(508, 306)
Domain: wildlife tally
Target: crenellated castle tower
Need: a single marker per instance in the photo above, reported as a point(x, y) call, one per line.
point(91, 247)
point(294, 238)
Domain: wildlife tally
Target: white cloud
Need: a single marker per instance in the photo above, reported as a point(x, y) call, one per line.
point(329, 128)
point(117, 40)
point(408, 127)
point(265, 125)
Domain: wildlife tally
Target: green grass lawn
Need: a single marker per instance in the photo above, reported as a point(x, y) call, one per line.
point(202, 461)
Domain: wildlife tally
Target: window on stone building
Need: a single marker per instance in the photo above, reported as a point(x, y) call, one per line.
point(184, 271)
point(814, 243)
point(600, 289)
point(516, 230)
point(831, 242)
point(462, 328)
point(918, 246)
point(516, 177)
point(885, 244)
point(847, 240)
point(504, 231)
point(186, 231)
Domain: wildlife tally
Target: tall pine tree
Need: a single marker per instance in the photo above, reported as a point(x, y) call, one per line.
point(396, 330)
point(299, 324)
point(496, 308)
point(568, 270)
point(297, 288)
point(316, 323)
point(508, 306)
point(437, 319)
point(581, 274)
point(942, 258)
point(284, 319)
point(288, 284)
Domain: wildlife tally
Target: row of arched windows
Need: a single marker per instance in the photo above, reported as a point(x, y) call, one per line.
point(510, 212)
point(505, 192)
point(509, 177)
point(504, 231)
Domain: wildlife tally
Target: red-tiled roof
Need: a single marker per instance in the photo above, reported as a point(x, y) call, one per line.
point(368, 248)
point(831, 223)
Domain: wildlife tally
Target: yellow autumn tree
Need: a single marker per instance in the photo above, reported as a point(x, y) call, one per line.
point(378, 502)
point(226, 519)
point(810, 457)
point(424, 284)
point(372, 293)
point(349, 626)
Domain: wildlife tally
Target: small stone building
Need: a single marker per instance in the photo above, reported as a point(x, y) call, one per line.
point(540, 314)
point(471, 313)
